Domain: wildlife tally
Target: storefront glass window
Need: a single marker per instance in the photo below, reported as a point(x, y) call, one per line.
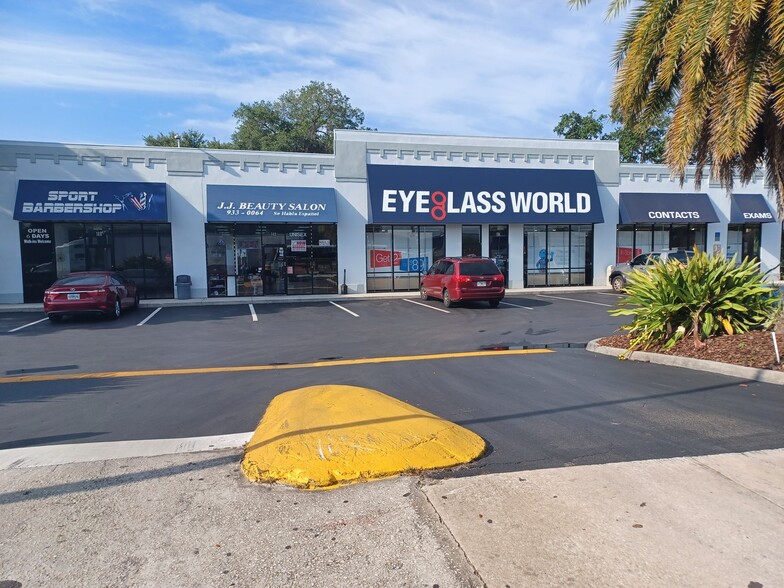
point(141, 251)
point(744, 241)
point(633, 240)
point(398, 255)
point(580, 255)
point(536, 256)
point(379, 258)
point(407, 263)
point(70, 248)
point(38, 266)
point(625, 248)
point(248, 259)
point(472, 240)
point(558, 255)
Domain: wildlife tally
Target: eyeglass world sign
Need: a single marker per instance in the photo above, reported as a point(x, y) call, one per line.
point(457, 195)
point(440, 204)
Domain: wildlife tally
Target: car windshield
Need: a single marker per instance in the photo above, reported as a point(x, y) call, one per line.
point(479, 268)
point(81, 281)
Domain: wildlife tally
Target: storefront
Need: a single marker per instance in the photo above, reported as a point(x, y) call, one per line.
point(656, 221)
point(744, 232)
point(412, 206)
point(263, 241)
point(372, 217)
point(81, 226)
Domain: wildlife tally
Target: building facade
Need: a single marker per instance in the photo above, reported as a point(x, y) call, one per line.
point(370, 218)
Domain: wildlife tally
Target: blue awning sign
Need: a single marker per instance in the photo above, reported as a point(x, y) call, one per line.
point(423, 194)
point(750, 208)
point(657, 208)
point(270, 204)
point(46, 200)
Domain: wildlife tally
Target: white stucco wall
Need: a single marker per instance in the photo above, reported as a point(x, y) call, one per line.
point(188, 172)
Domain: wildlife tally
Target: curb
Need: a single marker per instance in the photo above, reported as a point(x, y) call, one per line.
point(283, 299)
point(704, 365)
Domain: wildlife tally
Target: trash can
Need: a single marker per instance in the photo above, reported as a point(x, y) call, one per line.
point(183, 284)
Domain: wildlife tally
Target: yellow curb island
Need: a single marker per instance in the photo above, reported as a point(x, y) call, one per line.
point(322, 437)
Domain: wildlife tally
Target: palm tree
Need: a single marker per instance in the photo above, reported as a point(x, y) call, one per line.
point(720, 65)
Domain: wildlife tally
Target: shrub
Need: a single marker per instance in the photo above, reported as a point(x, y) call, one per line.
point(709, 296)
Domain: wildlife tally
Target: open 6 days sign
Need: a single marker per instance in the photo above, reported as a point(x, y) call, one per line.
point(422, 195)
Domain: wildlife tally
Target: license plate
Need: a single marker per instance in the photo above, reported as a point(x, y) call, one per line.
point(73, 297)
point(481, 284)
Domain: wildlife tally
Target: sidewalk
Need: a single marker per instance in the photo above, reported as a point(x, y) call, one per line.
point(192, 519)
point(287, 299)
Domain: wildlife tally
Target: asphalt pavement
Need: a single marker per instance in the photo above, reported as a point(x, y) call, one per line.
point(180, 512)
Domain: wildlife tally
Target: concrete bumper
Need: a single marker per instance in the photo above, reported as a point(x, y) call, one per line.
point(326, 436)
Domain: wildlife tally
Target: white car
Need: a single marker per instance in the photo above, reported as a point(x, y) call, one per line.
point(620, 272)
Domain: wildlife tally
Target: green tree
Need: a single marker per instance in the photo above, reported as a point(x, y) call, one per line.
point(720, 63)
point(635, 145)
point(299, 120)
point(640, 145)
point(189, 138)
point(577, 126)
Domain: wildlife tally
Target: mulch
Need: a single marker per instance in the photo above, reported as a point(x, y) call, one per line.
point(754, 349)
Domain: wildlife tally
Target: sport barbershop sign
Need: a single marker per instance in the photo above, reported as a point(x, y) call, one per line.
point(91, 201)
point(422, 195)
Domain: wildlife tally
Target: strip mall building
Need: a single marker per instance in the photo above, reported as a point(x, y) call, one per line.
point(373, 216)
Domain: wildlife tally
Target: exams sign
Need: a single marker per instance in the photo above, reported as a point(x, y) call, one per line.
point(423, 195)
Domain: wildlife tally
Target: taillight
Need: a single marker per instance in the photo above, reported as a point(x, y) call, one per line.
point(499, 278)
point(464, 280)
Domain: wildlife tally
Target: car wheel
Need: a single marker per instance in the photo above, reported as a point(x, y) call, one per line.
point(447, 298)
point(423, 293)
point(618, 283)
point(116, 310)
point(55, 318)
point(494, 303)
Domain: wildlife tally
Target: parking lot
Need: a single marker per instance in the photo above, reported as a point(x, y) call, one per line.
point(186, 371)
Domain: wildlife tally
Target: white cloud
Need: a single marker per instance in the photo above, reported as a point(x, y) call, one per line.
point(439, 66)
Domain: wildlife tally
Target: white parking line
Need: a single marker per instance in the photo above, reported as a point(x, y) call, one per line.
point(574, 300)
point(27, 325)
point(253, 313)
point(152, 314)
point(426, 306)
point(516, 305)
point(616, 294)
point(346, 309)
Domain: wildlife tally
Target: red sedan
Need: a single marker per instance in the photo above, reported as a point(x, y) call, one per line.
point(107, 293)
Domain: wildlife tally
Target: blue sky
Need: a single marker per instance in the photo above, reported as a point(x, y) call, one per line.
point(110, 72)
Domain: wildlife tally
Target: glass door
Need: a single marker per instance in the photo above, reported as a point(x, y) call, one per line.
point(219, 241)
point(247, 249)
point(273, 270)
point(499, 249)
point(99, 247)
point(299, 263)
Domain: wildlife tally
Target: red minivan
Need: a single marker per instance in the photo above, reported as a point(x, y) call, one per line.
point(454, 279)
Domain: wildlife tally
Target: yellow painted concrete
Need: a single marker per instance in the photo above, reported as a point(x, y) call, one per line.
point(264, 368)
point(327, 436)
